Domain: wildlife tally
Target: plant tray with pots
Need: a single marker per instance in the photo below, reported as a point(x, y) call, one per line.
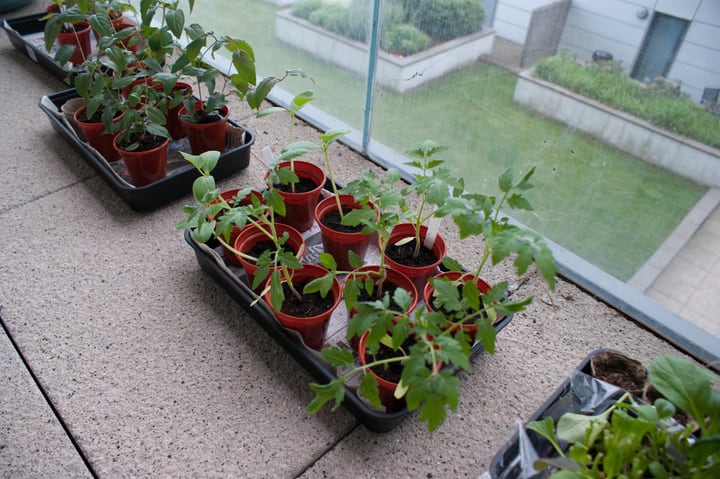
point(180, 174)
point(233, 279)
point(588, 390)
point(26, 35)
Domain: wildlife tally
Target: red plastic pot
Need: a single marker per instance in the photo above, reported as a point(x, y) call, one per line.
point(392, 277)
point(205, 136)
point(312, 329)
point(173, 124)
point(250, 235)
point(300, 207)
point(80, 38)
point(228, 195)
point(145, 167)
point(483, 287)
point(339, 243)
point(386, 389)
point(418, 274)
point(95, 134)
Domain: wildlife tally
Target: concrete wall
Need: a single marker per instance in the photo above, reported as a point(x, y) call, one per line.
point(682, 156)
point(396, 73)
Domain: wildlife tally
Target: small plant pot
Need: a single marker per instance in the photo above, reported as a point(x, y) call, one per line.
point(300, 206)
point(393, 278)
point(228, 195)
point(80, 38)
point(483, 287)
point(339, 243)
point(95, 134)
point(205, 136)
point(250, 235)
point(173, 124)
point(311, 328)
point(386, 389)
point(147, 166)
point(419, 274)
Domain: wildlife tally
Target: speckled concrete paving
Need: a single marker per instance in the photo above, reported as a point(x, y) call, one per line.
point(157, 372)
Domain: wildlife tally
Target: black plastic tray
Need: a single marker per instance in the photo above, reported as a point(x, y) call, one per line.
point(26, 34)
point(181, 174)
point(232, 279)
point(505, 463)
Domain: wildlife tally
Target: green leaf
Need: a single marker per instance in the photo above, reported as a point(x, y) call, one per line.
point(505, 182)
point(338, 357)
point(327, 392)
point(546, 428)
point(332, 135)
point(204, 232)
point(203, 186)
point(323, 285)
point(277, 295)
point(369, 389)
point(175, 20)
point(684, 384)
point(573, 427)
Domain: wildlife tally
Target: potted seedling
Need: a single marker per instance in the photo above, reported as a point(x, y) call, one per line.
point(143, 140)
point(279, 276)
point(635, 439)
point(67, 23)
point(339, 237)
point(424, 347)
point(458, 292)
point(415, 247)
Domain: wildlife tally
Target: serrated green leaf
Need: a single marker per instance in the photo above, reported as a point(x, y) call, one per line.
point(338, 357)
point(326, 392)
point(505, 182)
point(369, 389)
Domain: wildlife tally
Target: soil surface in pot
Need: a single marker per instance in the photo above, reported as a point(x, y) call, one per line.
point(404, 254)
point(393, 371)
point(144, 142)
point(260, 247)
point(302, 186)
point(332, 220)
point(388, 287)
point(619, 370)
point(307, 305)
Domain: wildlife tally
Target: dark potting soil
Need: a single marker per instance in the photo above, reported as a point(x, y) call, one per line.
point(302, 186)
point(404, 254)
point(260, 247)
point(145, 142)
point(332, 220)
point(392, 371)
point(388, 287)
point(307, 305)
point(617, 369)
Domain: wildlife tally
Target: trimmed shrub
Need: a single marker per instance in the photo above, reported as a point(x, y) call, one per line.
point(404, 39)
point(448, 19)
point(304, 8)
point(656, 102)
point(333, 17)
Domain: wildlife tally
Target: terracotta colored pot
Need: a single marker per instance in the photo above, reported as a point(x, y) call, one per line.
point(145, 167)
point(392, 277)
point(205, 136)
point(228, 195)
point(419, 274)
point(483, 287)
point(300, 207)
point(250, 235)
point(386, 388)
point(173, 124)
point(80, 38)
point(95, 134)
point(312, 329)
point(339, 243)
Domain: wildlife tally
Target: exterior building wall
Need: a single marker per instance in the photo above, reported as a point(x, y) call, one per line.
point(620, 27)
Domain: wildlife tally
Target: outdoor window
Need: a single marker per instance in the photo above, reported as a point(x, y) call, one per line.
point(609, 207)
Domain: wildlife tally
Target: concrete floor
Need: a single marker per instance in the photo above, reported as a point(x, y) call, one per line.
point(123, 359)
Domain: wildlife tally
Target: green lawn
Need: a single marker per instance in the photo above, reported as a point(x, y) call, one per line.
point(601, 204)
